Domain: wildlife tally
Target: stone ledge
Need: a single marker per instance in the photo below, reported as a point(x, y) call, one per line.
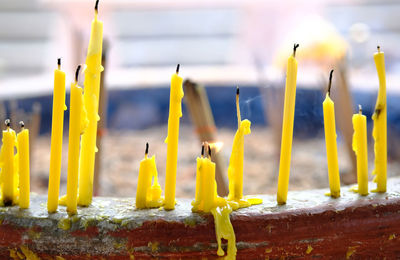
point(310, 225)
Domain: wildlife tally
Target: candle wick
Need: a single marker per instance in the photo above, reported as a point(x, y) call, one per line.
point(202, 150)
point(7, 122)
point(146, 152)
point(96, 7)
point(77, 73)
point(359, 109)
point(330, 83)
point(209, 152)
point(177, 68)
point(59, 63)
point(379, 48)
point(296, 45)
point(238, 107)
point(22, 125)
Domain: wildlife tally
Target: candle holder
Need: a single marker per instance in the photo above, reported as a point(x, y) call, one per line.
point(309, 225)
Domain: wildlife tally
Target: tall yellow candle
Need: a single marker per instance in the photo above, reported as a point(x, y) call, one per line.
point(56, 138)
point(330, 140)
point(287, 128)
point(361, 150)
point(379, 132)
point(23, 162)
point(91, 97)
point(235, 169)
point(77, 124)
point(147, 195)
point(7, 159)
point(175, 113)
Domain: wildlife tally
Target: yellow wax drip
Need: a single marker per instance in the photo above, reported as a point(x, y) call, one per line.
point(224, 229)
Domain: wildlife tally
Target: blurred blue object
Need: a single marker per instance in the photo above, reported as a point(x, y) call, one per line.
point(144, 108)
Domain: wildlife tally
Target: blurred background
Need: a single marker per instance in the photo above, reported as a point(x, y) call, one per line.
point(219, 44)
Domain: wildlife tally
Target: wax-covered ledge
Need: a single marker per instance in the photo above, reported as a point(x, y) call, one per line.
point(310, 224)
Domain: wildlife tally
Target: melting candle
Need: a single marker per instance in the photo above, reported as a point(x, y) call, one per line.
point(175, 113)
point(235, 169)
point(379, 131)
point(91, 96)
point(147, 195)
point(207, 200)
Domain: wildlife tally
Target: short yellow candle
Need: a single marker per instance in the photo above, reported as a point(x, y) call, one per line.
point(23, 166)
point(7, 160)
point(287, 128)
point(379, 132)
point(206, 197)
point(208, 183)
point(175, 113)
point(77, 125)
point(207, 200)
point(361, 150)
point(331, 145)
point(56, 138)
point(91, 97)
point(147, 195)
point(235, 169)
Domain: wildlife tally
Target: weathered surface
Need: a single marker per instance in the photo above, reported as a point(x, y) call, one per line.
point(311, 224)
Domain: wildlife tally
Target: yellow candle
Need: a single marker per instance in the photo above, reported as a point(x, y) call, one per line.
point(91, 97)
point(208, 183)
point(331, 145)
point(147, 195)
point(23, 162)
point(56, 138)
point(235, 169)
point(379, 131)
point(77, 126)
point(361, 150)
point(175, 113)
point(287, 128)
point(207, 200)
point(7, 159)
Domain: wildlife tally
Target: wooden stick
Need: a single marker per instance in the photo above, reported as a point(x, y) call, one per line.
point(203, 120)
point(344, 114)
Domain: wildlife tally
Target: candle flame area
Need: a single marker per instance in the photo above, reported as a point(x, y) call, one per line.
point(217, 146)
